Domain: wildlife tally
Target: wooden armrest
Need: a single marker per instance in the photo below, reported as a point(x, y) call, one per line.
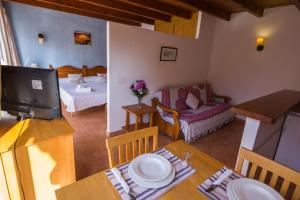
point(176, 127)
point(155, 103)
point(226, 98)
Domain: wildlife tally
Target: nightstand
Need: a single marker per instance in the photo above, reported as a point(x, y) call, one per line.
point(138, 113)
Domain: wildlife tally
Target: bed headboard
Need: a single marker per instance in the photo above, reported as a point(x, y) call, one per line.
point(63, 71)
point(94, 70)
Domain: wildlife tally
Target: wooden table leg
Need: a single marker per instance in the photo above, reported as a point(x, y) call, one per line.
point(137, 119)
point(127, 120)
point(141, 119)
point(151, 119)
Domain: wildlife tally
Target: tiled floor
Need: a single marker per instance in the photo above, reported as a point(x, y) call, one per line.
point(91, 155)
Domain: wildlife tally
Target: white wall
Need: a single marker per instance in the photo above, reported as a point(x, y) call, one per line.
point(133, 53)
point(238, 70)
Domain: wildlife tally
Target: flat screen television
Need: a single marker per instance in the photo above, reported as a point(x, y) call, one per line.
point(30, 92)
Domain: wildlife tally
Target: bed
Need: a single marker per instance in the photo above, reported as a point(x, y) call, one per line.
point(76, 101)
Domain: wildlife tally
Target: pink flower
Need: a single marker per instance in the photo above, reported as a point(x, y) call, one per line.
point(139, 88)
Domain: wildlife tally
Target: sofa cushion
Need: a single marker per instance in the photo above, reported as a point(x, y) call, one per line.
point(165, 98)
point(203, 112)
point(181, 105)
point(209, 94)
point(175, 98)
point(192, 101)
point(206, 93)
point(183, 94)
point(169, 97)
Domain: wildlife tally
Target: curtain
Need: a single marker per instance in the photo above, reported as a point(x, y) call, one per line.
point(8, 50)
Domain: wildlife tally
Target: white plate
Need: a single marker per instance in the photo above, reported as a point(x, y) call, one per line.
point(249, 189)
point(151, 167)
point(151, 184)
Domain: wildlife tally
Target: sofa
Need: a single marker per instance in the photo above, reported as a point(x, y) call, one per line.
point(177, 117)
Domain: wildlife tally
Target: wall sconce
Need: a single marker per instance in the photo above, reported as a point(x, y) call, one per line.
point(41, 38)
point(260, 43)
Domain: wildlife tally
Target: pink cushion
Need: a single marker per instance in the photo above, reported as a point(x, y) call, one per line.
point(209, 94)
point(182, 96)
point(175, 98)
point(165, 97)
point(181, 105)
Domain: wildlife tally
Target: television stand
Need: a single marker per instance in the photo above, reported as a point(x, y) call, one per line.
point(45, 157)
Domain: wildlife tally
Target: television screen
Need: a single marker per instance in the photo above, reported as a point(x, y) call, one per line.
point(30, 92)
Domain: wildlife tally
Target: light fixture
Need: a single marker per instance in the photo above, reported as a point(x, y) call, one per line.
point(260, 43)
point(41, 38)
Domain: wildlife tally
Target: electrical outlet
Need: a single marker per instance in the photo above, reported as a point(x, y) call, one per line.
point(121, 80)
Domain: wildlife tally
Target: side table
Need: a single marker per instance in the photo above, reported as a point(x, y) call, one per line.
point(138, 113)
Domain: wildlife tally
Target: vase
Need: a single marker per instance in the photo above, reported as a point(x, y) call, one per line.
point(140, 102)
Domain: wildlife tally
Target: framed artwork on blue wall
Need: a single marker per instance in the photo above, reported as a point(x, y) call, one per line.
point(82, 38)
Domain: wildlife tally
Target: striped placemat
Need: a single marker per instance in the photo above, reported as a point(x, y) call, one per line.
point(219, 193)
point(182, 172)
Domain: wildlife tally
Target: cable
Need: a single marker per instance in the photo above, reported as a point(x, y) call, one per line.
point(15, 156)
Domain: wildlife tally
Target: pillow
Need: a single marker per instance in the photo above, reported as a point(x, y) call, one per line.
point(209, 94)
point(192, 101)
point(102, 77)
point(181, 105)
point(75, 78)
point(182, 96)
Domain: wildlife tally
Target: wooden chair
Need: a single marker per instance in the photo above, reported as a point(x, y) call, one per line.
point(131, 145)
point(265, 169)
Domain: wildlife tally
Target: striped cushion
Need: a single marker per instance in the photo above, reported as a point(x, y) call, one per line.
point(175, 98)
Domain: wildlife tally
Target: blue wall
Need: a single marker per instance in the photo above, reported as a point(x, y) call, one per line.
point(58, 29)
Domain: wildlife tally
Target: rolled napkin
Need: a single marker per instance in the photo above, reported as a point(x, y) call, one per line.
point(120, 179)
point(221, 178)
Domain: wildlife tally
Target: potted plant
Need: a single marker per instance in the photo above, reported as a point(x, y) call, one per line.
point(139, 89)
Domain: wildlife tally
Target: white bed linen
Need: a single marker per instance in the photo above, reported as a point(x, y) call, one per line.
point(76, 101)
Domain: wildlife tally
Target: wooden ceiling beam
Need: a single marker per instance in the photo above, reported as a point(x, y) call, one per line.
point(250, 6)
point(162, 7)
point(297, 3)
point(129, 8)
point(75, 11)
point(208, 8)
point(100, 9)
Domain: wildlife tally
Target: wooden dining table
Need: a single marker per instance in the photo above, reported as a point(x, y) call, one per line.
point(98, 186)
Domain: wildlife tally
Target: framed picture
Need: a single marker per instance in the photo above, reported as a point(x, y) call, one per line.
point(82, 38)
point(168, 54)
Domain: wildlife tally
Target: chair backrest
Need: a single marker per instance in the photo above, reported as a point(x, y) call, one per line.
point(269, 171)
point(130, 145)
